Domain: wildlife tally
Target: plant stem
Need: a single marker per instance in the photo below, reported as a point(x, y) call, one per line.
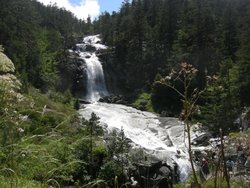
point(191, 156)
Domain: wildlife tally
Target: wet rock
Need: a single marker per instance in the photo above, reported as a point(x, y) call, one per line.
point(150, 173)
point(90, 48)
point(202, 140)
point(115, 99)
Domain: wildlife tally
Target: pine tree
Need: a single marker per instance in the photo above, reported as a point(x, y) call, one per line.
point(243, 54)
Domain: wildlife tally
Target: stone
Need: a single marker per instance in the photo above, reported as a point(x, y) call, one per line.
point(90, 48)
point(201, 140)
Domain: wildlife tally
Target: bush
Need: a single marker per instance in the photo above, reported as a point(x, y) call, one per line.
point(143, 102)
point(109, 171)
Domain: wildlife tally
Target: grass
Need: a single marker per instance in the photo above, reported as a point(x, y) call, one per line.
point(43, 152)
point(19, 183)
point(54, 102)
point(235, 182)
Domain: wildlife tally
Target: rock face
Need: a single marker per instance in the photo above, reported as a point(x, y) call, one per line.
point(115, 78)
point(73, 75)
point(79, 78)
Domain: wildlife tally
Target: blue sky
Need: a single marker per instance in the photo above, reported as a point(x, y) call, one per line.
point(83, 8)
point(109, 5)
point(75, 2)
point(106, 5)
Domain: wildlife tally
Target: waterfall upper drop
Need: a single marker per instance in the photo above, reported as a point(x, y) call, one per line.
point(87, 50)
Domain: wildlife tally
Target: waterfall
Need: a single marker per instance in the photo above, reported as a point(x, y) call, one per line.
point(160, 137)
point(87, 50)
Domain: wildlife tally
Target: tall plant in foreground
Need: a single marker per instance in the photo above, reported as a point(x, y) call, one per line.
point(189, 97)
point(10, 119)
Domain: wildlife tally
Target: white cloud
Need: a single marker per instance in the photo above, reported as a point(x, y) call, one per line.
point(82, 10)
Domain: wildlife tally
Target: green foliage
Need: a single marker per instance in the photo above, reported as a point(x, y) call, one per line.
point(179, 185)
point(147, 39)
point(221, 100)
point(76, 104)
point(34, 139)
point(167, 106)
point(53, 148)
point(65, 98)
point(35, 37)
point(49, 48)
point(117, 145)
point(138, 155)
point(210, 184)
point(53, 100)
point(109, 171)
point(93, 127)
point(20, 182)
point(151, 37)
point(223, 183)
point(41, 154)
point(143, 102)
point(97, 183)
point(117, 159)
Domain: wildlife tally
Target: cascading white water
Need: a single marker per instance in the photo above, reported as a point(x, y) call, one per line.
point(96, 86)
point(163, 139)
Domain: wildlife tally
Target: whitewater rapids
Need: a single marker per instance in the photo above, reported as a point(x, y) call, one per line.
point(160, 137)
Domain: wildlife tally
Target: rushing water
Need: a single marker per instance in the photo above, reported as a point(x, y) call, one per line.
point(161, 137)
point(87, 50)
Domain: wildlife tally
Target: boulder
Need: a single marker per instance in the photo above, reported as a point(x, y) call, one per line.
point(153, 173)
point(201, 140)
point(90, 48)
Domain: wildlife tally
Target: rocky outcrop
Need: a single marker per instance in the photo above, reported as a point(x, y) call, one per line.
point(154, 174)
point(202, 139)
point(114, 99)
point(114, 76)
point(73, 75)
point(90, 48)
